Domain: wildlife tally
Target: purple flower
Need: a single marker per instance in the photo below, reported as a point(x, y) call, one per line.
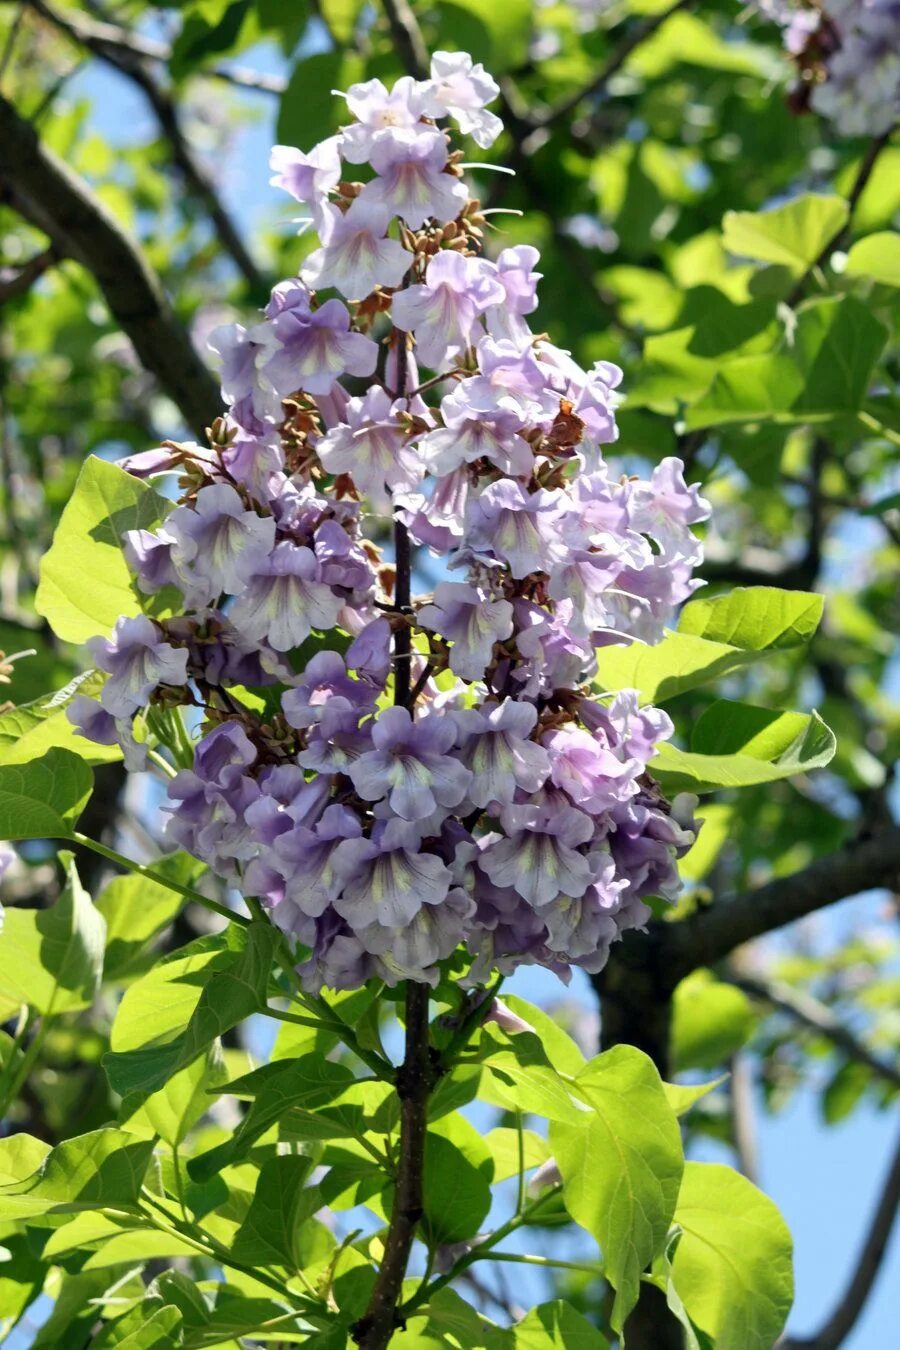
point(307, 177)
point(495, 745)
point(409, 765)
point(538, 857)
point(310, 349)
point(520, 528)
point(91, 720)
point(370, 651)
point(304, 856)
point(438, 521)
point(555, 655)
point(472, 621)
point(411, 951)
point(149, 556)
point(137, 661)
point(469, 434)
point(444, 310)
point(379, 114)
point(460, 89)
point(631, 732)
point(337, 739)
point(387, 879)
point(588, 771)
point(411, 181)
point(591, 393)
point(356, 256)
point(324, 677)
point(372, 446)
point(666, 507)
point(218, 544)
point(238, 351)
point(285, 600)
point(519, 282)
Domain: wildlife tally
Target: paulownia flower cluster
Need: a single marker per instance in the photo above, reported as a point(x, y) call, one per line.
point(399, 777)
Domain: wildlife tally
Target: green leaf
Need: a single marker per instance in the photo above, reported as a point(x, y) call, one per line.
point(520, 1074)
point(22, 1276)
point(504, 1145)
point(309, 111)
point(175, 1108)
point(100, 1170)
point(20, 1155)
point(792, 235)
point(140, 1330)
point(341, 16)
point(205, 36)
point(736, 745)
point(279, 1228)
point(447, 1322)
point(234, 990)
point(711, 1020)
point(681, 1097)
point(85, 581)
point(44, 798)
point(732, 1266)
point(826, 373)
point(496, 35)
point(52, 959)
point(307, 1082)
point(714, 638)
point(877, 257)
point(136, 909)
point(555, 1326)
point(621, 1166)
point(456, 1186)
point(28, 731)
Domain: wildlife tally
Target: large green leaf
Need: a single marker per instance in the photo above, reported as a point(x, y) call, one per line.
point(85, 582)
point(877, 257)
point(100, 1170)
point(52, 959)
point(233, 988)
point(446, 1322)
point(826, 372)
point(711, 1020)
point(736, 745)
point(732, 1267)
point(136, 909)
point(456, 1185)
point(141, 1330)
point(43, 798)
point(28, 731)
point(792, 235)
point(173, 1110)
point(498, 34)
point(519, 1074)
point(621, 1166)
point(279, 1228)
point(714, 638)
point(555, 1326)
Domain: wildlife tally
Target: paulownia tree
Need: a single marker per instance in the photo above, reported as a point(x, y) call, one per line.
point(406, 649)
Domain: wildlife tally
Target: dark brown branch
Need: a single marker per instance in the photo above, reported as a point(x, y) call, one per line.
point(844, 1318)
point(864, 173)
point(407, 37)
point(816, 1017)
point(44, 190)
point(16, 281)
point(597, 87)
point(710, 934)
point(197, 181)
point(375, 1328)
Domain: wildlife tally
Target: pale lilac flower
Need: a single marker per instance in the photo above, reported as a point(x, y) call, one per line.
point(588, 771)
point(238, 351)
point(356, 256)
point(324, 678)
point(411, 181)
point(438, 521)
point(410, 765)
point(372, 446)
point(666, 507)
point(538, 856)
point(311, 349)
point(472, 621)
point(137, 660)
point(412, 950)
point(468, 435)
point(217, 543)
point(443, 312)
point(521, 528)
point(307, 177)
point(285, 600)
point(460, 89)
point(304, 856)
point(495, 746)
point(519, 281)
point(370, 651)
point(387, 879)
point(380, 113)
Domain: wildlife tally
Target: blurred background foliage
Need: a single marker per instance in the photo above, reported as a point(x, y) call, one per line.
point(646, 138)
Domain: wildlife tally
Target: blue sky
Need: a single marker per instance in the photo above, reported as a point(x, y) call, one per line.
point(825, 1179)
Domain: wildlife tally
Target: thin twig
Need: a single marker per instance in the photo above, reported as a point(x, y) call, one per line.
point(846, 1314)
point(816, 1017)
point(17, 281)
point(43, 189)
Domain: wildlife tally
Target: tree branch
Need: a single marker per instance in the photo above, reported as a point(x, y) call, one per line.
point(44, 190)
point(710, 934)
point(844, 1318)
point(17, 280)
point(407, 37)
point(135, 67)
point(817, 1017)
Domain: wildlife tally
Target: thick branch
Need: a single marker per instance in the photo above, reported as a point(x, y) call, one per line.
point(44, 190)
point(374, 1330)
point(710, 934)
point(844, 1318)
point(407, 37)
point(135, 67)
point(817, 1017)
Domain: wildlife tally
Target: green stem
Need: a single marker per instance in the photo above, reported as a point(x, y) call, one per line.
point(480, 1253)
point(21, 1073)
point(520, 1184)
point(593, 1267)
point(156, 758)
point(160, 878)
point(470, 1023)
